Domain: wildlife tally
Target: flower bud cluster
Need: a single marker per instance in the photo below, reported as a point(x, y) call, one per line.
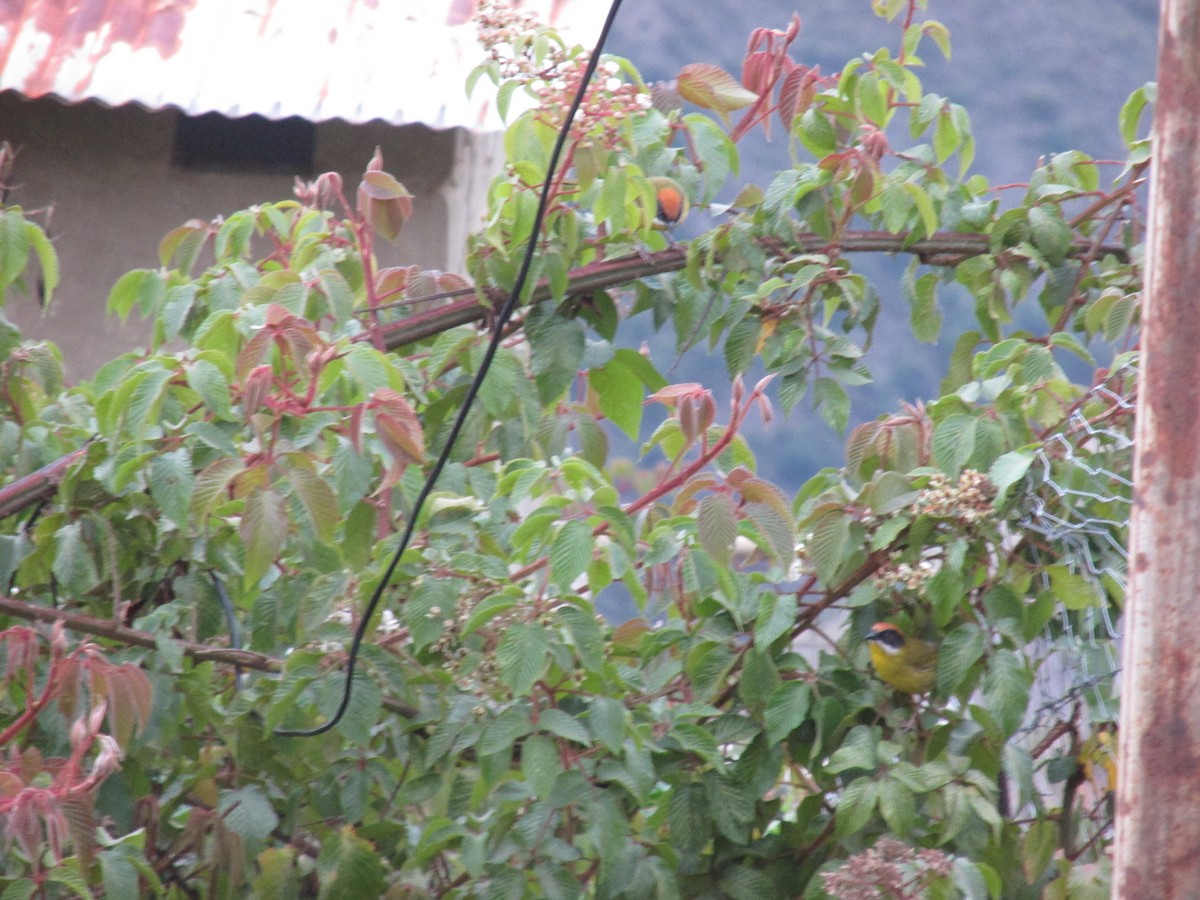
point(551, 73)
point(904, 576)
point(888, 869)
point(969, 500)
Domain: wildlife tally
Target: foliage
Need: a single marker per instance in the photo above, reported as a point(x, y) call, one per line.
point(503, 739)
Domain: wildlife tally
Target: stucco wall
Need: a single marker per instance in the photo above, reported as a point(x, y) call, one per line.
point(115, 191)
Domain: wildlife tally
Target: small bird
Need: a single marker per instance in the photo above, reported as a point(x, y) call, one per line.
point(671, 200)
point(907, 664)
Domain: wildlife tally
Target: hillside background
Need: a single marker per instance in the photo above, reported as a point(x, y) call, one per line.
point(1037, 78)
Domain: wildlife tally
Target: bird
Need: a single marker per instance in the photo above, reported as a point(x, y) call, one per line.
point(672, 202)
point(907, 664)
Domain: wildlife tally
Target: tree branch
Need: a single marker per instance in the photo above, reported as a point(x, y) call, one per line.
point(943, 249)
point(946, 248)
point(132, 637)
point(35, 486)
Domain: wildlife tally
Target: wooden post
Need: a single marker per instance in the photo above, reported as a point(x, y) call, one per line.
point(1158, 825)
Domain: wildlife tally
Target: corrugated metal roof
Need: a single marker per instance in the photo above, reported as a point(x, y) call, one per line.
point(396, 60)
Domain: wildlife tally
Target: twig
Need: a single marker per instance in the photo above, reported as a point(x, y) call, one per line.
point(132, 637)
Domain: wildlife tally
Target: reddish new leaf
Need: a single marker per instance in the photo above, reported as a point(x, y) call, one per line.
point(796, 93)
point(127, 691)
point(711, 87)
point(399, 429)
point(384, 203)
point(256, 387)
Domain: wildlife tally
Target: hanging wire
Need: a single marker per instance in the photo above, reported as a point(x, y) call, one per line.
point(502, 318)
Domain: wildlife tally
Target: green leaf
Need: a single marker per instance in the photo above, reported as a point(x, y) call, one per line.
point(897, 805)
point(14, 246)
point(831, 399)
point(1037, 849)
point(1120, 318)
point(971, 880)
point(1006, 689)
point(921, 780)
point(119, 875)
point(1073, 590)
point(571, 552)
point(606, 722)
point(775, 526)
point(619, 392)
point(735, 802)
point(954, 442)
point(71, 879)
point(960, 371)
point(73, 565)
point(141, 287)
point(207, 380)
point(263, 530)
point(357, 870)
point(1131, 114)
point(146, 400)
point(1051, 234)
point(858, 751)
point(1072, 344)
point(233, 237)
point(565, 725)
point(786, 709)
point(689, 817)
point(716, 526)
point(504, 731)
point(319, 501)
point(212, 484)
point(539, 764)
point(759, 679)
point(338, 294)
point(945, 592)
point(557, 347)
point(740, 345)
point(368, 368)
point(522, 654)
point(924, 312)
point(47, 260)
point(855, 805)
point(829, 544)
point(248, 813)
point(698, 740)
point(277, 877)
point(924, 205)
point(945, 136)
point(776, 617)
point(960, 650)
point(13, 549)
point(171, 481)
point(586, 635)
point(1008, 469)
point(746, 882)
point(817, 134)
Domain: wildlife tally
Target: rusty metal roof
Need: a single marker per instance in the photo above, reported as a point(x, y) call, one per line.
point(395, 60)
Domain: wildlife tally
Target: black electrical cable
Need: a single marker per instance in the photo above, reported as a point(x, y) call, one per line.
point(502, 318)
point(235, 632)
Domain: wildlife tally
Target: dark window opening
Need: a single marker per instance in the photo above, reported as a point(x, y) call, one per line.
point(215, 143)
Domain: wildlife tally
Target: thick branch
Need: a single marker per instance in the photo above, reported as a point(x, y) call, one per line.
point(35, 486)
point(943, 249)
point(132, 637)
